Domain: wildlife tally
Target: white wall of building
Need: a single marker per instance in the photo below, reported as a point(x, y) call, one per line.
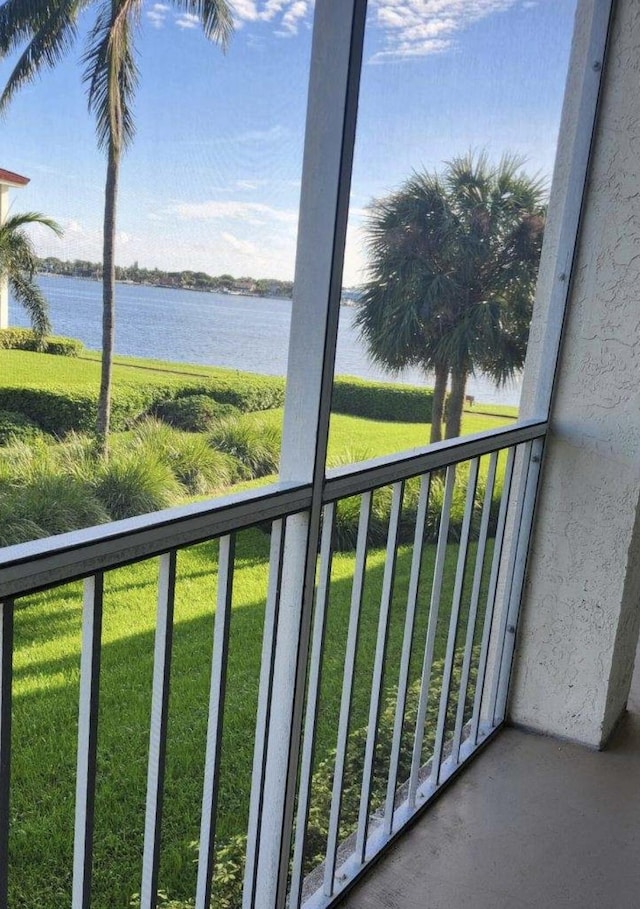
point(4, 290)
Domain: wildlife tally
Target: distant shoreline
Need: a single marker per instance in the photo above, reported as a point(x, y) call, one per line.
point(348, 298)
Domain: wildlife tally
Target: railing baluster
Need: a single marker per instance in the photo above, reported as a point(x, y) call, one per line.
point(6, 678)
point(445, 691)
point(473, 606)
point(347, 692)
point(226, 555)
point(520, 550)
point(313, 703)
point(87, 740)
point(158, 730)
point(378, 670)
point(407, 644)
point(491, 596)
point(265, 696)
point(434, 607)
point(525, 452)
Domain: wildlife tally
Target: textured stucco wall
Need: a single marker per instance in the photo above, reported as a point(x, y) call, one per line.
point(581, 612)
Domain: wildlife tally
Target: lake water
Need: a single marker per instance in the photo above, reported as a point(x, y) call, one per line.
point(249, 333)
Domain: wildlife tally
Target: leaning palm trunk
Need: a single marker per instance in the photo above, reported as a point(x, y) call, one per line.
point(456, 402)
point(437, 406)
point(108, 297)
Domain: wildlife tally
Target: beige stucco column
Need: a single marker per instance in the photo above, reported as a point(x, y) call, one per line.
point(581, 610)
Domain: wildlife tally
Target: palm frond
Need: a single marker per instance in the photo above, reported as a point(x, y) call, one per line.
point(111, 72)
point(16, 222)
point(30, 297)
point(19, 20)
point(51, 34)
point(216, 17)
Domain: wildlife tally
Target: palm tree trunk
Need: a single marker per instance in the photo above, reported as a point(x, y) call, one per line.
point(108, 296)
point(439, 394)
point(456, 401)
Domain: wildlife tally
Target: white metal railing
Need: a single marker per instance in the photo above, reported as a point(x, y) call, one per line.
point(470, 685)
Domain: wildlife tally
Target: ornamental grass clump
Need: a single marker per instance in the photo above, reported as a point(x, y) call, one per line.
point(199, 468)
point(38, 498)
point(133, 482)
point(255, 446)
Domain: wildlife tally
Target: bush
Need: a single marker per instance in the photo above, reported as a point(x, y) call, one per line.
point(244, 391)
point(15, 426)
point(24, 339)
point(193, 412)
point(255, 447)
point(382, 400)
point(60, 411)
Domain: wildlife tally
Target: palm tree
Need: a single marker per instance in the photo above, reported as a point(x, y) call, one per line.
point(47, 29)
point(18, 264)
point(453, 260)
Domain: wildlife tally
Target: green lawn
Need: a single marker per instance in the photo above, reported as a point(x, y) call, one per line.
point(47, 661)
point(28, 369)
point(46, 692)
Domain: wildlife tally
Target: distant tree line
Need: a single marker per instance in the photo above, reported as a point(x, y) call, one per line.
point(185, 280)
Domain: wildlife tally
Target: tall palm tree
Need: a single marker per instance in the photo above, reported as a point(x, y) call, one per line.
point(18, 264)
point(453, 260)
point(47, 29)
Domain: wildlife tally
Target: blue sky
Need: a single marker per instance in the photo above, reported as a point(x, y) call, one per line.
point(212, 180)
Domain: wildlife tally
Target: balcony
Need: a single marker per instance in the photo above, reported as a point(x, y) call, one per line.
point(544, 545)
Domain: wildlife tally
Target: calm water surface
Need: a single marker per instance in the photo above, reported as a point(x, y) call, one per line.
point(249, 333)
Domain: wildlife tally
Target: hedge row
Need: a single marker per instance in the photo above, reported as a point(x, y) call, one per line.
point(244, 392)
point(60, 410)
point(382, 401)
point(24, 339)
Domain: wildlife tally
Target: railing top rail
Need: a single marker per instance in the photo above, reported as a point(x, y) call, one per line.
point(27, 567)
point(49, 562)
point(354, 479)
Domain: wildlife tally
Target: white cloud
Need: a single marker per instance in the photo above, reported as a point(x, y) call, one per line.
point(157, 14)
point(287, 15)
point(187, 20)
point(417, 28)
point(254, 213)
point(410, 28)
point(242, 246)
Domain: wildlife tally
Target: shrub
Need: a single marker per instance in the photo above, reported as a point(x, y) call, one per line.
point(15, 426)
point(131, 483)
point(255, 447)
point(60, 411)
point(382, 400)
point(24, 339)
point(245, 391)
point(193, 412)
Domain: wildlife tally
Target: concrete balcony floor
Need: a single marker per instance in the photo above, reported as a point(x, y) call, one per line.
point(534, 823)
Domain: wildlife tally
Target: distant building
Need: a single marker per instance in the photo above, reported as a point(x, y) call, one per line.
point(8, 180)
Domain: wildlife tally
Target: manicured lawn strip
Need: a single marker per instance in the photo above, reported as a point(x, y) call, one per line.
point(29, 369)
